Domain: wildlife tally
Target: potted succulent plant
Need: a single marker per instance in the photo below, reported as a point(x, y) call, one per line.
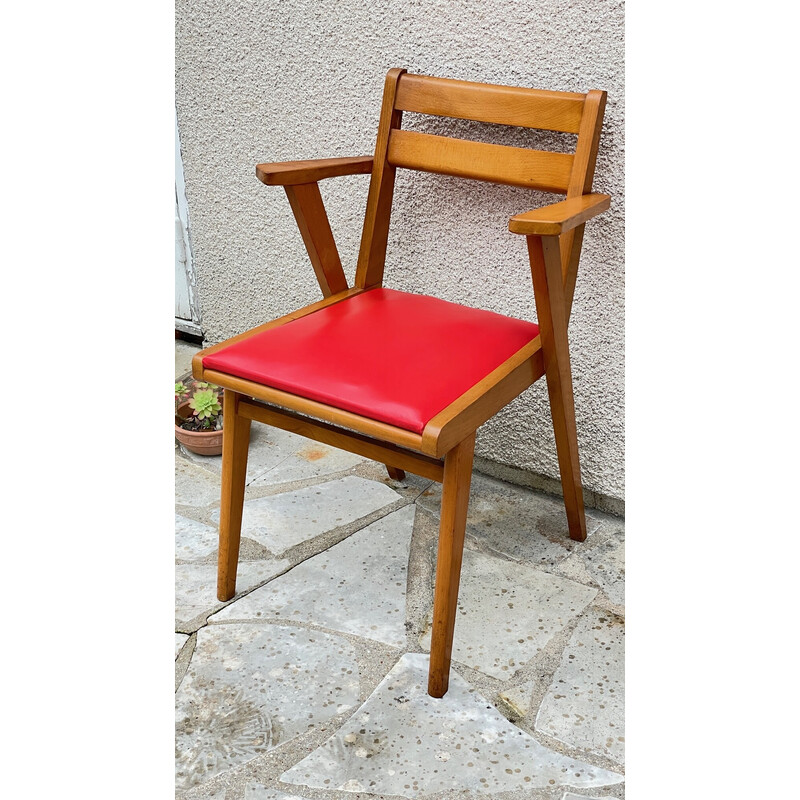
point(198, 416)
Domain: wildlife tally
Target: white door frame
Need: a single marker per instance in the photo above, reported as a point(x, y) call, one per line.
point(184, 265)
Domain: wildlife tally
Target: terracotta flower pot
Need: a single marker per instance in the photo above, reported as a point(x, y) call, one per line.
point(204, 443)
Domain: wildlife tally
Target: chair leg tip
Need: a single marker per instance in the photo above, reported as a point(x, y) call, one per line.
point(223, 594)
point(577, 526)
point(396, 474)
point(436, 688)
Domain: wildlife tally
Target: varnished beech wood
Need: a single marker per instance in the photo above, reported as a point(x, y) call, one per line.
point(497, 163)
point(372, 253)
point(395, 474)
point(579, 184)
point(483, 102)
point(554, 234)
point(558, 218)
point(235, 442)
point(336, 416)
point(309, 212)
point(548, 286)
point(588, 144)
point(570, 256)
point(198, 371)
point(455, 500)
point(480, 403)
point(366, 446)
point(286, 173)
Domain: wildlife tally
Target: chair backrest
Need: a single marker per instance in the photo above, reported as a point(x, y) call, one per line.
point(570, 174)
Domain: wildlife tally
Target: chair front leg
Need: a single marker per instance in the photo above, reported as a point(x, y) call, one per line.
point(455, 500)
point(235, 443)
point(395, 474)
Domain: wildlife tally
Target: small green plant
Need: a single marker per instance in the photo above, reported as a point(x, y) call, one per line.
point(204, 404)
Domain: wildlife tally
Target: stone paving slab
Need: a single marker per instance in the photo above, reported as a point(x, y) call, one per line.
point(194, 541)
point(196, 585)
point(310, 460)
point(403, 742)
point(606, 564)
point(358, 586)
point(572, 796)
point(507, 612)
point(603, 566)
point(256, 791)
point(184, 352)
point(281, 521)
point(584, 705)
point(276, 456)
point(180, 641)
point(521, 525)
point(250, 688)
point(518, 698)
point(195, 485)
point(205, 794)
point(269, 447)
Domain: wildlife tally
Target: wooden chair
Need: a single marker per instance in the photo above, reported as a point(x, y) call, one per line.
point(341, 371)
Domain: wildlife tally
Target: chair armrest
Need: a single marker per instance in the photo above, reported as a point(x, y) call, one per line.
point(289, 173)
point(559, 217)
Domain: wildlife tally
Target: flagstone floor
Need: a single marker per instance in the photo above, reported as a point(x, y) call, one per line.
point(311, 683)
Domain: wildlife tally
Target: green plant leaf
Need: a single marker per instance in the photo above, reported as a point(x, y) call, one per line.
point(205, 404)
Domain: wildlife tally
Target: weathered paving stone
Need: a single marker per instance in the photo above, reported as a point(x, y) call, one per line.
point(250, 688)
point(513, 521)
point(255, 791)
point(196, 584)
point(193, 540)
point(268, 448)
point(285, 520)
point(403, 742)
point(606, 564)
point(311, 460)
point(583, 706)
point(180, 640)
point(572, 796)
point(508, 612)
point(184, 352)
point(518, 698)
point(603, 565)
point(194, 485)
point(277, 456)
point(358, 586)
point(206, 794)
point(410, 487)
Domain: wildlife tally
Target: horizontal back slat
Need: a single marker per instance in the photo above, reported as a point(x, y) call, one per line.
point(532, 169)
point(505, 105)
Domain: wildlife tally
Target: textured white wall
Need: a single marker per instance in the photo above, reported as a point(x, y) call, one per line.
point(271, 81)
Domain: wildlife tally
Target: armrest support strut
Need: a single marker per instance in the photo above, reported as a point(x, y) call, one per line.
point(299, 179)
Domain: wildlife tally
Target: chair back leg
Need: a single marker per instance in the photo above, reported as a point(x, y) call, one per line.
point(235, 443)
point(455, 500)
point(553, 318)
point(562, 407)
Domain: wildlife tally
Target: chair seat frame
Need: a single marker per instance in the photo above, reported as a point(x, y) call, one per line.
point(444, 450)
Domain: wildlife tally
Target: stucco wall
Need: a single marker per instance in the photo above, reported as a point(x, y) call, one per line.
point(270, 81)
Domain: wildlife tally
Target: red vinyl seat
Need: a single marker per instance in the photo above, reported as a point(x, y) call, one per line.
point(391, 356)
